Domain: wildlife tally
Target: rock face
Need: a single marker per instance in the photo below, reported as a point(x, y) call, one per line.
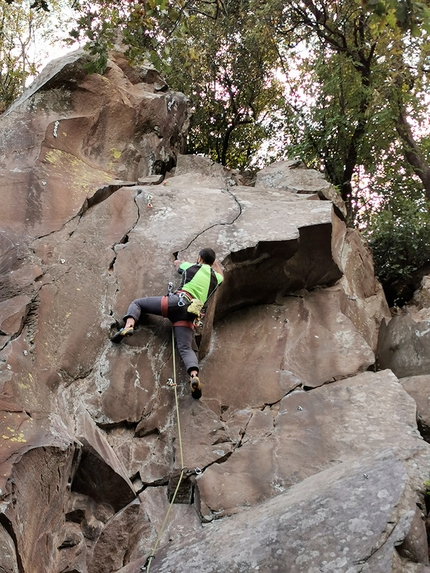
point(404, 343)
point(299, 457)
point(404, 348)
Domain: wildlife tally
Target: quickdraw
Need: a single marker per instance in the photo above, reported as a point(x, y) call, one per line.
point(147, 563)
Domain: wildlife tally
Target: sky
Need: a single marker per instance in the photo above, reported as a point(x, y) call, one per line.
point(43, 51)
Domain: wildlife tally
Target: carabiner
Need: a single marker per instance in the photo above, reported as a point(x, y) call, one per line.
point(181, 301)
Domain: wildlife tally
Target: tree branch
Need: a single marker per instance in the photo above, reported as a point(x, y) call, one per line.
point(412, 153)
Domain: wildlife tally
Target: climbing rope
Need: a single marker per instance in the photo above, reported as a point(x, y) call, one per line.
point(173, 384)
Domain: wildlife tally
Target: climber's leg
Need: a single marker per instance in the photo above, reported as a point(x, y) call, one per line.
point(184, 340)
point(149, 305)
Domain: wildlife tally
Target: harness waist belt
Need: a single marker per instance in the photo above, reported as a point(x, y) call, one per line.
point(186, 323)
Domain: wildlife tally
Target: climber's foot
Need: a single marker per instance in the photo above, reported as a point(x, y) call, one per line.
point(196, 387)
point(118, 336)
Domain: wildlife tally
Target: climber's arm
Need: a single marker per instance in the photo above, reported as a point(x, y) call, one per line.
point(217, 268)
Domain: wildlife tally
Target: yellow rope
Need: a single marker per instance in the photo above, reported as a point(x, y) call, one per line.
point(152, 556)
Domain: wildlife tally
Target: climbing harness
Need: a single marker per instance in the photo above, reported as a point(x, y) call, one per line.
point(165, 305)
point(172, 383)
point(187, 323)
point(195, 305)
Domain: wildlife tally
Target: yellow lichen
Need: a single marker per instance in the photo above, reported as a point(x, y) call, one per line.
point(53, 155)
point(116, 153)
point(19, 438)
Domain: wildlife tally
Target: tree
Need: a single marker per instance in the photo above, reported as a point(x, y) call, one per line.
point(226, 66)
point(356, 64)
point(22, 29)
point(400, 240)
point(16, 31)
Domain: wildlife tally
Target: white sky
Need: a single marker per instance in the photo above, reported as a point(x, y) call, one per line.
point(43, 51)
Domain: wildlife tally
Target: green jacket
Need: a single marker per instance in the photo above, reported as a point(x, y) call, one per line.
point(200, 281)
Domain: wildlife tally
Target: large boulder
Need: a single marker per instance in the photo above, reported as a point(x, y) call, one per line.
point(337, 422)
point(71, 136)
point(293, 176)
point(352, 517)
point(404, 344)
point(419, 388)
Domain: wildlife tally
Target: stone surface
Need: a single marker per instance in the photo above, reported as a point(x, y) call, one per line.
point(71, 143)
point(421, 298)
point(364, 303)
point(100, 474)
point(280, 338)
point(404, 344)
point(8, 561)
point(293, 177)
point(117, 540)
point(419, 388)
point(333, 521)
point(35, 500)
point(336, 422)
point(290, 423)
point(195, 169)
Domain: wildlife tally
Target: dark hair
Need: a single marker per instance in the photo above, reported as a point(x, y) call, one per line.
point(208, 255)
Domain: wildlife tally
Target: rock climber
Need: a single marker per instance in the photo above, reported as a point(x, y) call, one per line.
point(198, 283)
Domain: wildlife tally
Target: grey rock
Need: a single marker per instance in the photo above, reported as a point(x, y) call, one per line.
point(333, 521)
point(404, 343)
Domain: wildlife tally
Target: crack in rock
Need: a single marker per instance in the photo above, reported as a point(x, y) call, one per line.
point(214, 225)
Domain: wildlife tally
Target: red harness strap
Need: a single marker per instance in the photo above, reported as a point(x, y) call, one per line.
point(186, 323)
point(164, 306)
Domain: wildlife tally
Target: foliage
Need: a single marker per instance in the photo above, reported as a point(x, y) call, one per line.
point(98, 25)
point(16, 27)
point(22, 29)
point(226, 67)
point(361, 76)
point(399, 235)
point(407, 15)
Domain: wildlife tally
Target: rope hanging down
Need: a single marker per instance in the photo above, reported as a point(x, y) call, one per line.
point(148, 561)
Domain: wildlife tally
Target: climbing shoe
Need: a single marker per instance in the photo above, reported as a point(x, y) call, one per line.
point(196, 387)
point(118, 336)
